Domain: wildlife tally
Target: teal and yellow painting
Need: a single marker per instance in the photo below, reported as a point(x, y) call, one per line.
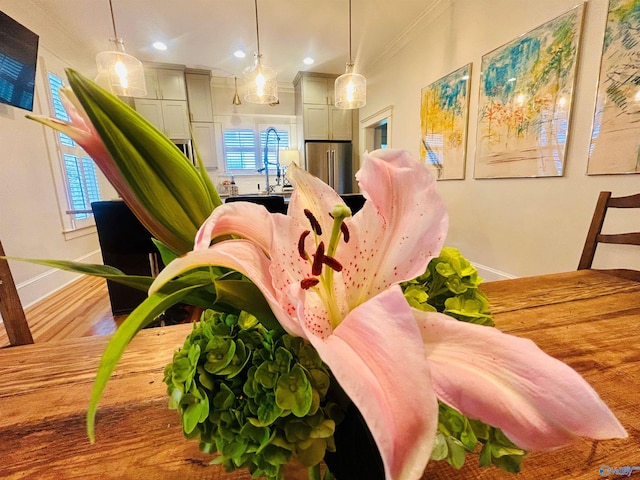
point(524, 104)
point(444, 117)
point(615, 139)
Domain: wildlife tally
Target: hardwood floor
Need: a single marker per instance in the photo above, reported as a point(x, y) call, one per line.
point(80, 309)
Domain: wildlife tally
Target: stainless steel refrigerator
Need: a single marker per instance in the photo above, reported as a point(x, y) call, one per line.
point(332, 162)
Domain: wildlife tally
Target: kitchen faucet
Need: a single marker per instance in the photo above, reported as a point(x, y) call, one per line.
point(266, 158)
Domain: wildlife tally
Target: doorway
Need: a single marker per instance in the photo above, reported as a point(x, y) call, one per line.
point(376, 129)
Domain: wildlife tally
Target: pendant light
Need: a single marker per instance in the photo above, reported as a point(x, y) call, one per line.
point(351, 88)
point(119, 72)
point(236, 97)
point(261, 81)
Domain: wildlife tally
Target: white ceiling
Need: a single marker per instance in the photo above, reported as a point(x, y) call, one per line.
point(205, 33)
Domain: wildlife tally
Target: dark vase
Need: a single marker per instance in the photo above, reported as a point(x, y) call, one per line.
point(356, 456)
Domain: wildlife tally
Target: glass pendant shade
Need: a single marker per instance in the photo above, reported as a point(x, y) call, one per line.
point(261, 84)
point(350, 90)
point(121, 74)
point(118, 72)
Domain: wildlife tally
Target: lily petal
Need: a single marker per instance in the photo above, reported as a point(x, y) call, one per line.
point(240, 255)
point(377, 357)
point(247, 220)
point(539, 402)
point(311, 193)
point(400, 228)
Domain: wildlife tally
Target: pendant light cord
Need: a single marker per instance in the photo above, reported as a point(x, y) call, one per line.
point(113, 21)
point(350, 60)
point(257, 28)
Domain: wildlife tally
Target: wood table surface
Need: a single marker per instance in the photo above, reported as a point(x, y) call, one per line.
point(588, 319)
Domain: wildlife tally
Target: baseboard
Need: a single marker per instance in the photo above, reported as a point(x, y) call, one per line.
point(41, 286)
point(491, 274)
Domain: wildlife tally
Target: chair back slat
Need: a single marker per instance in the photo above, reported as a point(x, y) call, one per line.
point(595, 235)
point(620, 238)
point(630, 201)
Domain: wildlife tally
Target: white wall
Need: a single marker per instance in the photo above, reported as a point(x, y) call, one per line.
point(30, 220)
point(515, 227)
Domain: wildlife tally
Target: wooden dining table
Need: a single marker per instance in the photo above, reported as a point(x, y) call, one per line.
point(588, 319)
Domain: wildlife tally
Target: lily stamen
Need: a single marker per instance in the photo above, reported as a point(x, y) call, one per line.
point(318, 259)
point(345, 232)
point(303, 253)
point(308, 283)
point(315, 225)
point(332, 263)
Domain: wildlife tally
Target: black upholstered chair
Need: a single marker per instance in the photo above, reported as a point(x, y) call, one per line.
point(273, 203)
point(354, 201)
point(125, 244)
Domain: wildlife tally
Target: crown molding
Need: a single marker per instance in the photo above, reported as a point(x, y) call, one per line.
point(399, 42)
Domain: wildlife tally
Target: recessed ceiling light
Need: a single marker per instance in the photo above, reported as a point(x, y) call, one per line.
point(308, 61)
point(159, 46)
point(239, 54)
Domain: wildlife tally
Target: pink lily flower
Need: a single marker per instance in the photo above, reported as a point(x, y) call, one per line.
point(332, 278)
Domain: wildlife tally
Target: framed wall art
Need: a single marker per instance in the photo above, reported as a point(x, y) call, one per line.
point(524, 105)
point(444, 115)
point(615, 139)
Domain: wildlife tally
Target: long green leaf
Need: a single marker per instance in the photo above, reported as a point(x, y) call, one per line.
point(105, 271)
point(166, 254)
point(203, 297)
point(246, 296)
point(144, 314)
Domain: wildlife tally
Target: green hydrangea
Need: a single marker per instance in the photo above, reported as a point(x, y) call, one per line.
point(257, 397)
point(450, 286)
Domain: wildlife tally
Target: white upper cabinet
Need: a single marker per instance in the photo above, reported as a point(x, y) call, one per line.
point(199, 94)
point(317, 90)
point(165, 84)
point(171, 117)
point(321, 120)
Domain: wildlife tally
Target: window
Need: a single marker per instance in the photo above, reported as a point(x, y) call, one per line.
point(240, 150)
point(243, 154)
point(81, 180)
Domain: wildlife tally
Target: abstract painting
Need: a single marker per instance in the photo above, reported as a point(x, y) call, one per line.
point(524, 106)
point(443, 118)
point(615, 140)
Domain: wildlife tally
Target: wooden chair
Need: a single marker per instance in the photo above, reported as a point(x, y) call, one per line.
point(11, 310)
point(595, 235)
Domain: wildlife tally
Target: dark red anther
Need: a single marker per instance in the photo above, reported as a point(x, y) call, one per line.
point(345, 232)
point(315, 225)
point(332, 263)
point(307, 283)
point(301, 250)
point(318, 257)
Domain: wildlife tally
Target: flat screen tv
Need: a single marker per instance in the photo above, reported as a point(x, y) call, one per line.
point(18, 58)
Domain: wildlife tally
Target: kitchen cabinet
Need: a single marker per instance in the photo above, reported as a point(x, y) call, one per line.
point(321, 120)
point(318, 90)
point(203, 129)
point(199, 94)
point(165, 84)
point(169, 116)
point(204, 140)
